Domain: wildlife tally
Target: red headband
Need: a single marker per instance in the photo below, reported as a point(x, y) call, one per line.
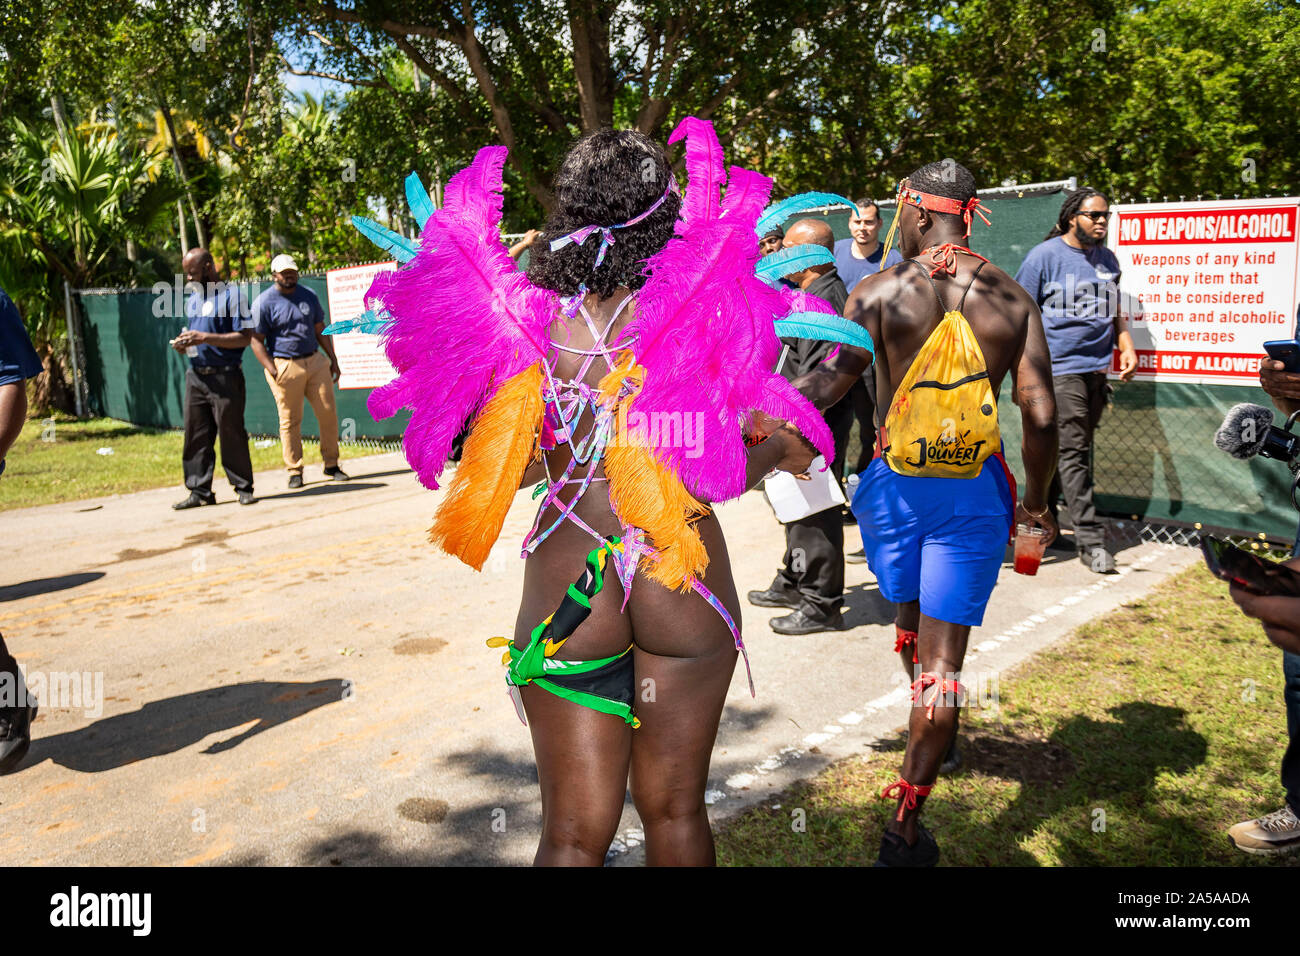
point(943, 204)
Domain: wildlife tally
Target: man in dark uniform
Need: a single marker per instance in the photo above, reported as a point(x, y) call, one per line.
point(811, 583)
point(219, 331)
point(18, 362)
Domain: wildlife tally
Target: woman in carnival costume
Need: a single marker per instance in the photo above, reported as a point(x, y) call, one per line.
point(629, 377)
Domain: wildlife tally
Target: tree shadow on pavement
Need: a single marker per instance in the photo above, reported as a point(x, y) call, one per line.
point(166, 726)
point(500, 830)
point(311, 491)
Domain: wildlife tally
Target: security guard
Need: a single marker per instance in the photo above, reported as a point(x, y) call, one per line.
point(219, 330)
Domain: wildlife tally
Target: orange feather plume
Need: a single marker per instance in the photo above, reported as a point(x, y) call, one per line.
point(646, 494)
point(498, 450)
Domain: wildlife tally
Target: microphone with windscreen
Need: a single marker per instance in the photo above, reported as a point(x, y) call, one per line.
point(1248, 430)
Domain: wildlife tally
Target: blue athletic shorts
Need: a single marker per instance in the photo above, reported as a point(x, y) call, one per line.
point(941, 540)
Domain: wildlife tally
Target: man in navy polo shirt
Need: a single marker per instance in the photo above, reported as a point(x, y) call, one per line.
point(299, 361)
point(18, 363)
point(219, 331)
point(1074, 279)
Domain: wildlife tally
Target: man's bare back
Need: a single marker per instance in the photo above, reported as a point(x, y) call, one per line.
point(900, 310)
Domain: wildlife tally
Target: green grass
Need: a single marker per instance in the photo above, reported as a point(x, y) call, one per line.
point(69, 468)
point(1144, 714)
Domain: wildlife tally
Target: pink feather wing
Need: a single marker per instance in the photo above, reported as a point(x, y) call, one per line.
point(464, 319)
point(704, 331)
point(703, 167)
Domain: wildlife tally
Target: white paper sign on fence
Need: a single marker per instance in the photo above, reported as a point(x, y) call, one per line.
point(362, 362)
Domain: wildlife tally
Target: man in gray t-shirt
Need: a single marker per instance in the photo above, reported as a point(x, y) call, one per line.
point(1074, 279)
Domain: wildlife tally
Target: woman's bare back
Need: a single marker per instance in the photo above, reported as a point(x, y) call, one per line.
point(658, 619)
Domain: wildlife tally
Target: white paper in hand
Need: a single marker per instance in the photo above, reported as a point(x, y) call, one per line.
point(793, 499)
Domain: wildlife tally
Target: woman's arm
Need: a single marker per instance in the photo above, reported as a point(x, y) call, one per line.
point(784, 449)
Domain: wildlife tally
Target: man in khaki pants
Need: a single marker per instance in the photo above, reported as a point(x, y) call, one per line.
point(299, 362)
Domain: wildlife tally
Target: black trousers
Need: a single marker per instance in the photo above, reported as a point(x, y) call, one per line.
point(214, 407)
point(1080, 401)
point(814, 546)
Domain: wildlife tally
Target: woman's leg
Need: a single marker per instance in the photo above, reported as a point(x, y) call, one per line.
point(679, 701)
point(582, 754)
point(582, 764)
point(685, 656)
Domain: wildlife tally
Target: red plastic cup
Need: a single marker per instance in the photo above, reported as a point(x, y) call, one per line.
point(1031, 542)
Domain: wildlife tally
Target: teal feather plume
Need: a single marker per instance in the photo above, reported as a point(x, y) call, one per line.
point(785, 262)
point(417, 197)
point(827, 328)
point(401, 248)
point(367, 322)
point(777, 213)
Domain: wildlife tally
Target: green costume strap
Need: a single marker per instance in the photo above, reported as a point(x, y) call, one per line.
point(534, 663)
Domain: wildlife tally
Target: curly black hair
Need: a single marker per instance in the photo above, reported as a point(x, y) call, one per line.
point(608, 176)
point(1070, 209)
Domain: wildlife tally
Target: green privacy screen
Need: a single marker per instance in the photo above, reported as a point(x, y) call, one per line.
point(1154, 455)
point(133, 375)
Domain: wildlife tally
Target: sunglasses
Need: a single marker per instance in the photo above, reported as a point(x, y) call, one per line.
point(1095, 216)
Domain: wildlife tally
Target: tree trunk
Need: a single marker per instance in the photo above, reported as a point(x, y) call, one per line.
point(50, 391)
point(180, 221)
point(199, 232)
point(589, 30)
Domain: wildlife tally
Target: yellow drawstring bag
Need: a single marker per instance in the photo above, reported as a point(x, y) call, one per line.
point(943, 422)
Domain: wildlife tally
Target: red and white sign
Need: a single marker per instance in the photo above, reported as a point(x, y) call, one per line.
point(1216, 280)
point(362, 362)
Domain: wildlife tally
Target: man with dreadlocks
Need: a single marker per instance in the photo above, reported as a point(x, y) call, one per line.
point(935, 511)
point(1074, 279)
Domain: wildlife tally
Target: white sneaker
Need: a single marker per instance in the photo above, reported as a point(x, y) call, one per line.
point(1275, 834)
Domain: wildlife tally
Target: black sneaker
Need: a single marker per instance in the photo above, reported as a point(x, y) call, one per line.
point(894, 850)
point(856, 557)
point(246, 498)
point(770, 598)
point(194, 501)
point(800, 622)
point(15, 736)
point(337, 473)
point(295, 481)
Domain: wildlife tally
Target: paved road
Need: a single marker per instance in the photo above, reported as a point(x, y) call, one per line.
point(305, 681)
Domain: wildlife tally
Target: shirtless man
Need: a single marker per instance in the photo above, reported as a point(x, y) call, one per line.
point(936, 544)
